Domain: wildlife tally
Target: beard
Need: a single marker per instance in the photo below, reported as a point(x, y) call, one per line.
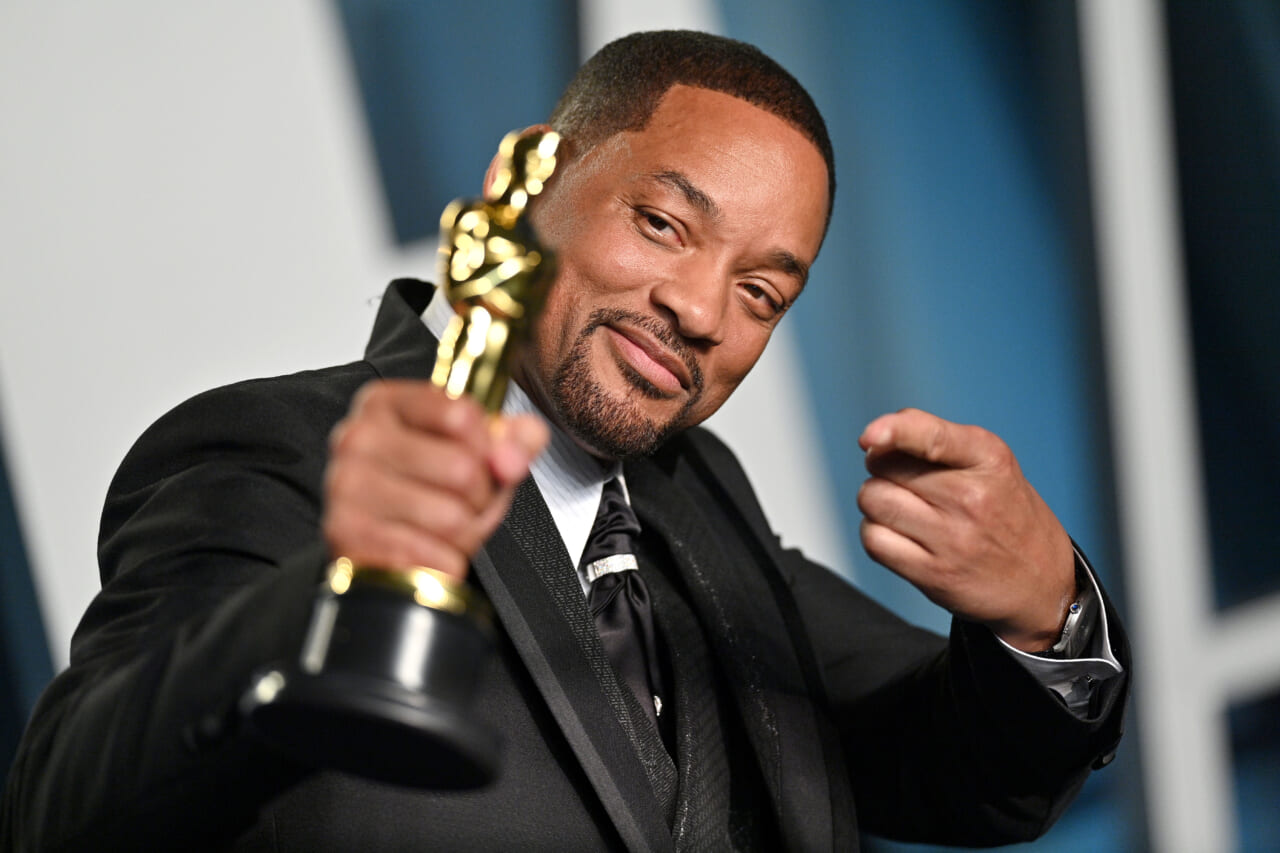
point(616, 426)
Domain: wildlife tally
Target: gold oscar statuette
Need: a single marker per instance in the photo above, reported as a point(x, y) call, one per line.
point(384, 683)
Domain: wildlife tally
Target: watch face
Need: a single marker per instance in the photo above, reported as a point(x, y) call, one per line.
point(1080, 619)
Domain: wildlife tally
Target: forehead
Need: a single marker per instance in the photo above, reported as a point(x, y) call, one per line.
point(750, 163)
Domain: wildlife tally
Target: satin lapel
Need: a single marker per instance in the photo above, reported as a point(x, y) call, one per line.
point(529, 578)
point(400, 345)
point(523, 569)
point(749, 638)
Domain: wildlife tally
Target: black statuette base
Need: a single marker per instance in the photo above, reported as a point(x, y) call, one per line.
point(383, 689)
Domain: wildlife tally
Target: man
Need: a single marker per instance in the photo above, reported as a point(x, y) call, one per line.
point(692, 200)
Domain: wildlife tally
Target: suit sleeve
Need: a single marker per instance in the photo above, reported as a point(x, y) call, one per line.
point(949, 740)
point(946, 740)
point(209, 553)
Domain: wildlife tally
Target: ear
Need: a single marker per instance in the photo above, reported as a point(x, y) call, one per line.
point(492, 171)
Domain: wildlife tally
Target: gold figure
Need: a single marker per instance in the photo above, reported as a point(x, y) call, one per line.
point(494, 273)
point(396, 650)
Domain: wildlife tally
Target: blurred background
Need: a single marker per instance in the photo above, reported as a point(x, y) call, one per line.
point(1057, 220)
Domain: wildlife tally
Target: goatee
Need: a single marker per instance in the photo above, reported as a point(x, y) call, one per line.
point(616, 426)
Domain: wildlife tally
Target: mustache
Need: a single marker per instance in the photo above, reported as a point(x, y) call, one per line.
point(661, 331)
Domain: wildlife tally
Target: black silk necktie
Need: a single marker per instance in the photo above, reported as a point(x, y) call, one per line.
point(619, 600)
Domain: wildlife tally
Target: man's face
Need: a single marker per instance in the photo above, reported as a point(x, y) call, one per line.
point(680, 247)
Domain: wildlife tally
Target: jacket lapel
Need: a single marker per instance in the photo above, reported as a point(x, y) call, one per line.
point(400, 345)
point(531, 583)
point(750, 640)
point(530, 580)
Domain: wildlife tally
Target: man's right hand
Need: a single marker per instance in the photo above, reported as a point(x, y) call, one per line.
point(417, 479)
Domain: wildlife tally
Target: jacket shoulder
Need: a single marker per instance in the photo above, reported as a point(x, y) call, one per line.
point(299, 409)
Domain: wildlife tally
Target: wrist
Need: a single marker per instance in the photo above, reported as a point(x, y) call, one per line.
point(1049, 635)
point(1071, 639)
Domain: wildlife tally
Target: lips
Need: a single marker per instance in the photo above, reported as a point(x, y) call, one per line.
point(651, 359)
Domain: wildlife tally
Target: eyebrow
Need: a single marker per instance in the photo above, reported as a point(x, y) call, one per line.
point(691, 193)
point(791, 265)
point(781, 259)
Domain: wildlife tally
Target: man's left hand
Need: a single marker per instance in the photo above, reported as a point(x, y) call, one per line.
point(947, 508)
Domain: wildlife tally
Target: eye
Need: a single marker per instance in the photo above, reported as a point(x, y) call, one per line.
point(656, 227)
point(763, 302)
point(656, 222)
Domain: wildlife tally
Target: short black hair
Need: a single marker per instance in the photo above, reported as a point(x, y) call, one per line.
point(620, 87)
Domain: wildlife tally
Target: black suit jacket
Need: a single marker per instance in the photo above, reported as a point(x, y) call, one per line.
point(210, 556)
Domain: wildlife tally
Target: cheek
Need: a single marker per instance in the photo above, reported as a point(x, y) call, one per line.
point(554, 324)
point(608, 257)
point(727, 367)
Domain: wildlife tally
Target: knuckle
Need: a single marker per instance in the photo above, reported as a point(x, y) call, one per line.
point(372, 395)
point(460, 472)
point(865, 496)
point(875, 540)
point(433, 553)
point(968, 544)
point(340, 480)
point(989, 441)
point(1005, 461)
point(453, 563)
point(395, 554)
point(974, 499)
point(873, 500)
point(333, 524)
point(451, 520)
point(993, 448)
point(463, 414)
point(866, 532)
point(406, 552)
point(354, 436)
point(935, 443)
point(343, 530)
point(454, 470)
point(337, 435)
point(470, 538)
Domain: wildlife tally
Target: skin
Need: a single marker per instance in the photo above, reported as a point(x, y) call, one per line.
point(694, 234)
point(680, 247)
point(948, 509)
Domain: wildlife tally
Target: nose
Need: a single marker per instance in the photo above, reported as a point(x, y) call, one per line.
point(697, 296)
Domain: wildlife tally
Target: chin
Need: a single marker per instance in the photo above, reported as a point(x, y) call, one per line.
point(608, 406)
point(613, 423)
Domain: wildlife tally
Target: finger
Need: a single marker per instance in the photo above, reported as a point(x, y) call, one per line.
point(945, 489)
point(899, 509)
point(516, 443)
point(372, 541)
point(900, 554)
point(926, 437)
point(396, 500)
point(426, 408)
point(899, 467)
point(426, 459)
point(496, 512)
point(530, 432)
